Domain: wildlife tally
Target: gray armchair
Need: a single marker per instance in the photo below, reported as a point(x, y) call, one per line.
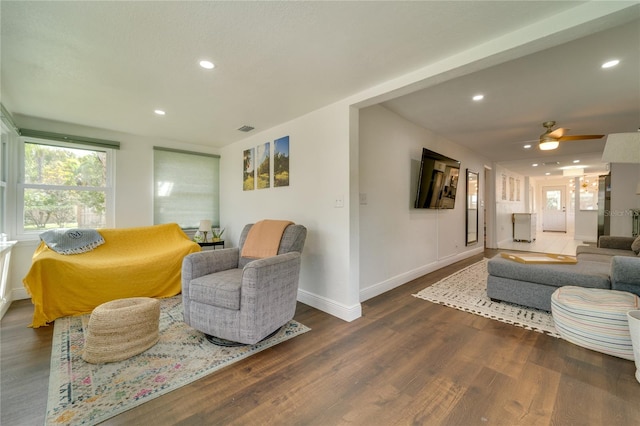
point(241, 299)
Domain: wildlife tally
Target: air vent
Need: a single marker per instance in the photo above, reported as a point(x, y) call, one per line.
point(246, 128)
point(552, 163)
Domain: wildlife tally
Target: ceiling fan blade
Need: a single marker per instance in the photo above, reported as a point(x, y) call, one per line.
point(579, 137)
point(558, 133)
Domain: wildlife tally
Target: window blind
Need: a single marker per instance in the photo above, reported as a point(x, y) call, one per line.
point(187, 187)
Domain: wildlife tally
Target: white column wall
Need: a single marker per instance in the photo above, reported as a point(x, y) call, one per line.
point(319, 175)
point(398, 242)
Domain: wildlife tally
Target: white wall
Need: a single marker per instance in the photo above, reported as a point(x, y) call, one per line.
point(319, 175)
point(133, 185)
point(399, 243)
point(624, 179)
point(586, 221)
point(505, 208)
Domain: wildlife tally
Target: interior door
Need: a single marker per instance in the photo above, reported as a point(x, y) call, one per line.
point(554, 215)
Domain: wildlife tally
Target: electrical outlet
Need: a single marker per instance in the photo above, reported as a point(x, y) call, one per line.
point(339, 203)
point(363, 198)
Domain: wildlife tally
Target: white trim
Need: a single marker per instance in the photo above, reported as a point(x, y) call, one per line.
point(4, 307)
point(19, 294)
point(393, 282)
point(346, 313)
point(505, 241)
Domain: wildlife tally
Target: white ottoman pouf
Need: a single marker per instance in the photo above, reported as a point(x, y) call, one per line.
point(121, 328)
point(595, 318)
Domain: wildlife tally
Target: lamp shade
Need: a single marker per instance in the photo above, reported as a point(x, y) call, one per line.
point(205, 225)
point(622, 148)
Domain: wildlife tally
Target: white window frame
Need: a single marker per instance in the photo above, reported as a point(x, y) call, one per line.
point(21, 234)
point(4, 175)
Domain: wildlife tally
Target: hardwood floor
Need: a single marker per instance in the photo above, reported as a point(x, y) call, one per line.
point(406, 361)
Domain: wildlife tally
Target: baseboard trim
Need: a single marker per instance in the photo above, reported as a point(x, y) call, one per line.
point(4, 307)
point(19, 294)
point(393, 282)
point(344, 312)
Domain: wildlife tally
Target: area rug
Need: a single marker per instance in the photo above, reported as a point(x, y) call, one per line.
point(83, 393)
point(466, 290)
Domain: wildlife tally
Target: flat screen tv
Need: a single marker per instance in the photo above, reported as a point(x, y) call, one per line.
point(437, 181)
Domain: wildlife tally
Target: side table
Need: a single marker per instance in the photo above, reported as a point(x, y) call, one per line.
point(213, 244)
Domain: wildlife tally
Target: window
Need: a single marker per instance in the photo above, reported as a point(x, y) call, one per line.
point(589, 193)
point(64, 185)
point(4, 144)
point(186, 187)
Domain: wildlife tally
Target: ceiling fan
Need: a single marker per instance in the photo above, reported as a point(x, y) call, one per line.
point(550, 139)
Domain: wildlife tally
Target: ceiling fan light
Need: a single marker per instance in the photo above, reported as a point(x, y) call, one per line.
point(548, 145)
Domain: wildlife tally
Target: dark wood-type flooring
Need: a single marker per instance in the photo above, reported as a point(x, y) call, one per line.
point(406, 361)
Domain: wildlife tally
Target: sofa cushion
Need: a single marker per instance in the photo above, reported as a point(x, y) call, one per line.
point(625, 274)
point(635, 246)
point(221, 289)
point(580, 250)
point(598, 254)
point(583, 273)
point(615, 242)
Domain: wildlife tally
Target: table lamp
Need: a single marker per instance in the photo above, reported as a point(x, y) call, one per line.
point(205, 226)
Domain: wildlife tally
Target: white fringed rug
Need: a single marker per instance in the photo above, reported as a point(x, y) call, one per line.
point(466, 290)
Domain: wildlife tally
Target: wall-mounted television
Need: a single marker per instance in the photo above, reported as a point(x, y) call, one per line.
point(437, 181)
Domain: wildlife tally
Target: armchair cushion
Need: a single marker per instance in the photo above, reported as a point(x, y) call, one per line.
point(221, 289)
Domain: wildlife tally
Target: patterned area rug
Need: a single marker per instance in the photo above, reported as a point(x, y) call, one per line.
point(83, 393)
point(466, 290)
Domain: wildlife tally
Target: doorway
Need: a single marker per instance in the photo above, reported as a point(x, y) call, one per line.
point(554, 209)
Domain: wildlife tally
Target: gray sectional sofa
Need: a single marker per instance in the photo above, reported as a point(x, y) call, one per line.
point(613, 264)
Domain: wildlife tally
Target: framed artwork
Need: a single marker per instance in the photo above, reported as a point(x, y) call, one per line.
point(264, 165)
point(281, 162)
point(511, 188)
point(248, 177)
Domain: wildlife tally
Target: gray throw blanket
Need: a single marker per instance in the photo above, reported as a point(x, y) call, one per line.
point(72, 241)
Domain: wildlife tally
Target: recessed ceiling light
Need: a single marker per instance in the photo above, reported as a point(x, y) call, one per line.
point(534, 165)
point(547, 174)
point(527, 146)
point(159, 112)
point(611, 63)
point(207, 64)
point(478, 97)
point(576, 161)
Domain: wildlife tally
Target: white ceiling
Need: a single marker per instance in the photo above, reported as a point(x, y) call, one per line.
point(565, 83)
point(110, 64)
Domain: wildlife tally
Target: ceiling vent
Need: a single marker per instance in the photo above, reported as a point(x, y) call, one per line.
point(246, 128)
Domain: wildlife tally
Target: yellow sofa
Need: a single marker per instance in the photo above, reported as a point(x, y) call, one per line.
point(132, 262)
